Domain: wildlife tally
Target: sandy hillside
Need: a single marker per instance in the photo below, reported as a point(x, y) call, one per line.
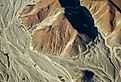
point(60, 41)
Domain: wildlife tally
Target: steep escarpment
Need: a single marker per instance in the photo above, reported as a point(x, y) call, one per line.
point(107, 17)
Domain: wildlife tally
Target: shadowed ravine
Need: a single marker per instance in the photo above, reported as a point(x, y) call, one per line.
point(118, 8)
point(80, 18)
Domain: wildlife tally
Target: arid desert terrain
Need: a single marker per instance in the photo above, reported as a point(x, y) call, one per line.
point(60, 41)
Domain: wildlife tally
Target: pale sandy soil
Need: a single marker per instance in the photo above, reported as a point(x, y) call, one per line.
point(19, 63)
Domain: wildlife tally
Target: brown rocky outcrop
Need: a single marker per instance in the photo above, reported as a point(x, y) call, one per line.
point(58, 32)
point(59, 41)
point(107, 17)
point(35, 13)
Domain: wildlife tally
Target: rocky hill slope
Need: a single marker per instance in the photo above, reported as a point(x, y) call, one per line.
point(60, 41)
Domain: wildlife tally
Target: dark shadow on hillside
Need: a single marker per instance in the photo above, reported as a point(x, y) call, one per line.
point(88, 76)
point(118, 8)
point(80, 17)
point(69, 3)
